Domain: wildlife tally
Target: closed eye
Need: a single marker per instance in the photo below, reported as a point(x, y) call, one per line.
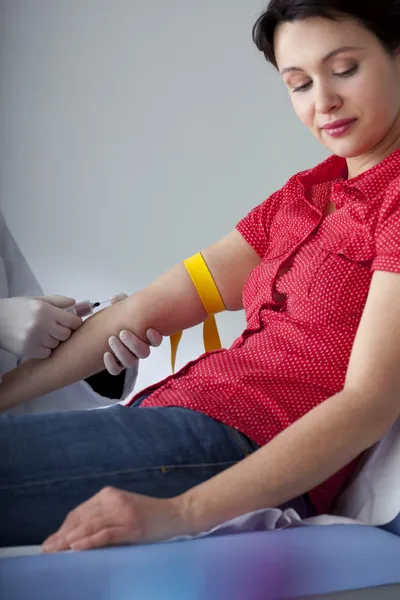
point(348, 73)
point(302, 88)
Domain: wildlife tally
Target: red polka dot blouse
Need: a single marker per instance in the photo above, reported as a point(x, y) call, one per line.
point(303, 305)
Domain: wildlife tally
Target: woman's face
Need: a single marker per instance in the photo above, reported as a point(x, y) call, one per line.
point(338, 71)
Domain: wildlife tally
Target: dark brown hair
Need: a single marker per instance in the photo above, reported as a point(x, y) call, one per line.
point(381, 17)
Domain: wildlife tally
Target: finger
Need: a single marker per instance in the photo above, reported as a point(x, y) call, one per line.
point(155, 338)
point(68, 320)
point(58, 332)
point(111, 364)
point(90, 528)
point(55, 543)
point(109, 536)
point(40, 352)
point(59, 301)
point(86, 530)
point(134, 344)
point(90, 522)
point(122, 353)
point(49, 342)
point(118, 297)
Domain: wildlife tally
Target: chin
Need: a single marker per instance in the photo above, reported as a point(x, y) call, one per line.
point(350, 148)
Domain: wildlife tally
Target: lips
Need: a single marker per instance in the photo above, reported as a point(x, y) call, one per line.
point(338, 124)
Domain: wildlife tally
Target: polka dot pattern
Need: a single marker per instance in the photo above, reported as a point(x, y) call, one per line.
point(303, 304)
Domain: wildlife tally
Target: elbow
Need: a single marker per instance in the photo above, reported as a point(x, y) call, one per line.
point(384, 424)
point(378, 432)
point(373, 417)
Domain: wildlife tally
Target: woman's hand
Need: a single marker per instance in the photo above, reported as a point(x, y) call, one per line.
point(126, 350)
point(114, 517)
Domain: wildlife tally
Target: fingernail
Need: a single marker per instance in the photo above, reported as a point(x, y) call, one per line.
point(124, 335)
point(150, 336)
point(50, 547)
point(112, 340)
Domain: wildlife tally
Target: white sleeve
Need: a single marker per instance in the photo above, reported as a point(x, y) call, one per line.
point(16, 279)
point(19, 278)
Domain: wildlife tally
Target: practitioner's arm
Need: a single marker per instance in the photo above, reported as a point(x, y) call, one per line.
point(169, 304)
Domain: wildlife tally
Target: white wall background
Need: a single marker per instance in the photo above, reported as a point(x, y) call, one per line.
point(133, 134)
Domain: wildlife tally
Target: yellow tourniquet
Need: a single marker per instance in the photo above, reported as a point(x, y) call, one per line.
point(212, 302)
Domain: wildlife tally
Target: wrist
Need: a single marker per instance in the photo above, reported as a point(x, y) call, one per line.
point(165, 518)
point(191, 517)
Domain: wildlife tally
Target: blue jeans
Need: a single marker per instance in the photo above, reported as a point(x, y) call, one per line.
point(50, 463)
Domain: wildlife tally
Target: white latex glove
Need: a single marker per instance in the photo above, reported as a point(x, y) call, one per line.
point(126, 350)
point(33, 327)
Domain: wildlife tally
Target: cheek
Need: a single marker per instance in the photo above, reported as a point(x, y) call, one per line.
point(303, 110)
point(384, 102)
point(380, 99)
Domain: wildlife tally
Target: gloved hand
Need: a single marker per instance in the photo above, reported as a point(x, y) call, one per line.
point(33, 327)
point(126, 350)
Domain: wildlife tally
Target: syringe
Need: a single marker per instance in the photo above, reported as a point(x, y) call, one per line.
point(85, 308)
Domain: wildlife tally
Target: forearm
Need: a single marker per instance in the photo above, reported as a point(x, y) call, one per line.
point(296, 461)
point(162, 306)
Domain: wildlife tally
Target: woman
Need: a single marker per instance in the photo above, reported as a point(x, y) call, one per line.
point(313, 379)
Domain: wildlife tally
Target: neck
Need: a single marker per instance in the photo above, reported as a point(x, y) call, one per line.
point(376, 155)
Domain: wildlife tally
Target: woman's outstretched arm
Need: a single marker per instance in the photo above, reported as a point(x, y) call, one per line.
point(169, 304)
point(294, 462)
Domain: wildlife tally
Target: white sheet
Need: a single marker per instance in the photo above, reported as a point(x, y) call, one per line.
point(374, 495)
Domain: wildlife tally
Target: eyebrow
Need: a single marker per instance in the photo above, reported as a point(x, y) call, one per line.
point(325, 59)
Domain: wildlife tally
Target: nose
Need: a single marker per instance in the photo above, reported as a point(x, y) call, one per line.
point(327, 99)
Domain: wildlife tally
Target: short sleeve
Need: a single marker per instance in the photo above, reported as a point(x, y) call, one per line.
point(256, 225)
point(387, 233)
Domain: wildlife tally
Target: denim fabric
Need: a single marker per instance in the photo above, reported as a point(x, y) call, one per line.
point(50, 463)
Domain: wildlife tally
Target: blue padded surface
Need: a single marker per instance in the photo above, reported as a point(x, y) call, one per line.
point(250, 566)
point(393, 526)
